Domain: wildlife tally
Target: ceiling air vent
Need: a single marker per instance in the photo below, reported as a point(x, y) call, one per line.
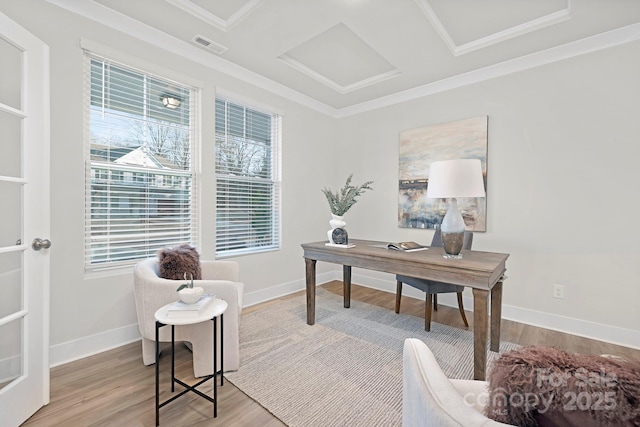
point(209, 45)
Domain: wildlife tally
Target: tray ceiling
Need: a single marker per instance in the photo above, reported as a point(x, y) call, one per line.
point(346, 56)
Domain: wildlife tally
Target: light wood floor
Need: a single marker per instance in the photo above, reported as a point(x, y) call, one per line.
point(114, 388)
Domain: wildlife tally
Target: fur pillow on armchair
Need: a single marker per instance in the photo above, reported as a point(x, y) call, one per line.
point(178, 261)
point(544, 386)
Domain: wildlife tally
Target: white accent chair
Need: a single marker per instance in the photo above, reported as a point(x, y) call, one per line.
point(152, 292)
point(430, 399)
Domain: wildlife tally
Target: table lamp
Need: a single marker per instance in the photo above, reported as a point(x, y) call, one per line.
point(450, 179)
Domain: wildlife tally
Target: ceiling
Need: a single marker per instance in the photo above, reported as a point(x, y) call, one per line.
point(342, 57)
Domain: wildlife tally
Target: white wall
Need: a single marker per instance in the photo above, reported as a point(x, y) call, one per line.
point(562, 154)
point(90, 314)
point(562, 186)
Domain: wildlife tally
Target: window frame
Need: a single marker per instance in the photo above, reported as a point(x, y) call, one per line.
point(274, 180)
point(135, 173)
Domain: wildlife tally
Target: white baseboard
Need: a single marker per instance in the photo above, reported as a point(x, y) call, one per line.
point(256, 297)
point(583, 328)
point(80, 348)
point(88, 346)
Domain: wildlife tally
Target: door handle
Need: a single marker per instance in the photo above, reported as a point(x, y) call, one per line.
point(38, 244)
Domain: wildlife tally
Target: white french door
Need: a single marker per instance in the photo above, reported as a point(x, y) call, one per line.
point(24, 223)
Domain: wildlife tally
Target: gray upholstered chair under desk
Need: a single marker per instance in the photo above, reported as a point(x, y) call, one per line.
point(433, 288)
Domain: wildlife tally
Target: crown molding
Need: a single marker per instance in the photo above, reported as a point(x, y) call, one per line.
point(297, 65)
point(498, 37)
point(134, 28)
point(117, 21)
point(213, 19)
point(584, 46)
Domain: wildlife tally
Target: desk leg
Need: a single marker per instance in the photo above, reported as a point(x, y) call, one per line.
point(496, 316)
point(310, 266)
point(480, 332)
point(346, 285)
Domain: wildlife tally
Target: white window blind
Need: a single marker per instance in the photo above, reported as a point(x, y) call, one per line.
point(247, 179)
point(140, 182)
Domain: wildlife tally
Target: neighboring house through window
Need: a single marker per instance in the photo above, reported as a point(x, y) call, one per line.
point(141, 182)
point(247, 179)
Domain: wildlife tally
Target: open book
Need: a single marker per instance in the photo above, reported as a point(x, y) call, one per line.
point(407, 246)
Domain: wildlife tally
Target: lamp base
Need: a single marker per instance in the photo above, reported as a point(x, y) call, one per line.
point(452, 244)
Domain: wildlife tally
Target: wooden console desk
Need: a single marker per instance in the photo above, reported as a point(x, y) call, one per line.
point(481, 271)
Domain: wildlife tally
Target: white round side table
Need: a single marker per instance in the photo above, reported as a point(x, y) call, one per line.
point(212, 311)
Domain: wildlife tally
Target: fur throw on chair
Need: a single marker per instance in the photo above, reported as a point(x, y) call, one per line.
point(178, 261)
point(544, 386)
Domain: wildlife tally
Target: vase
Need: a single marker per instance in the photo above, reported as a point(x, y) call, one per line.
point(190, 295)
point(337, 221)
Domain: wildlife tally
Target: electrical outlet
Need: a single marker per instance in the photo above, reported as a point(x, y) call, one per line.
point(558, 291)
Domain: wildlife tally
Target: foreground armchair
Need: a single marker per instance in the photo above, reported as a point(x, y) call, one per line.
point(430, 399)
point(152, 292)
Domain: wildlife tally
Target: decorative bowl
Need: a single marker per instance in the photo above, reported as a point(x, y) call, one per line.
point(190, 295)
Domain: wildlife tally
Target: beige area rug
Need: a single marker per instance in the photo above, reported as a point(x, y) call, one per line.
point(346, 370)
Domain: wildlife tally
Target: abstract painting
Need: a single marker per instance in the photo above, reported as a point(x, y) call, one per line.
point(463, 139)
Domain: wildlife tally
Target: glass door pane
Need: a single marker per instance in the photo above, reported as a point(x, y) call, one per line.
point(11, 81)
point(11, 224)
point(10, 135)
point(10, 284)
point(11, 357)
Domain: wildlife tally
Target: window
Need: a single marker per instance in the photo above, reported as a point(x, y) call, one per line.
point(140, 182)
point(247, 179)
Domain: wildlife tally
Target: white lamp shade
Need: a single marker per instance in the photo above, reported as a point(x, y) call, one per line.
point(455, 178)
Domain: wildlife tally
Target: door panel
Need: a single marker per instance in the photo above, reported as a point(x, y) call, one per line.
point(24, 192)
